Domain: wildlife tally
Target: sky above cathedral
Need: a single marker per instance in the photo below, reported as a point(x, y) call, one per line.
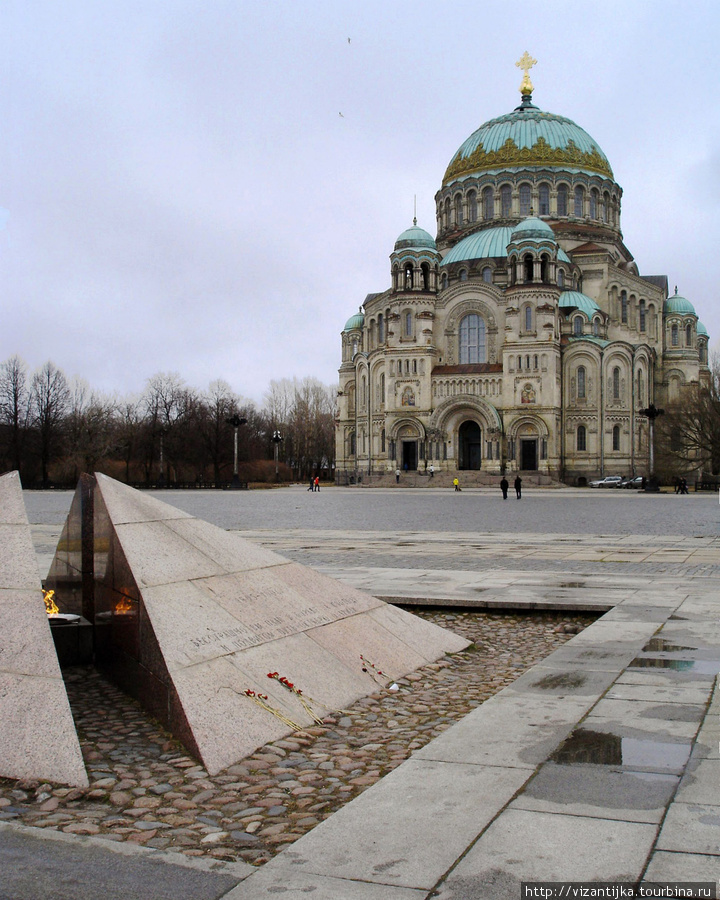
point(213, 188)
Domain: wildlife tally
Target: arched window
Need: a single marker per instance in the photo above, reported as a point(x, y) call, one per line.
point(642, 315)
point(472, 339)
point(506, 200)
point(544, 200)
point(616, 437)
point(463, 275)
point(408, 276)
point(381, 329)
point(528, 318)
point(616, 383)
point(560, 278)
point(579, 202)
point(525, 199)
point(688, 335)
point(444, 281)
point(577, 326)
point(562, 200)
point(581, 382)
point(581, 438)
point(363, 395)
point(472, 206)
point(488, 203)
point(458, 209)
point(596, 327)
point(623, 307)
point(593, 204)
point(487, 275)
point(352, 444)
point(605, 207)
point(382, 441)
point(674, 338)
point(641, 389)
point(447, 212)
point(382, 387)
point(425, 275)
point(528, 267)
point(408, 324)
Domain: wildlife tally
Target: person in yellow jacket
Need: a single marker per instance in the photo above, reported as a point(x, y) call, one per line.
point(456, 483)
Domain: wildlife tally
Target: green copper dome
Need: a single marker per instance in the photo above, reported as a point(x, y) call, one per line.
point(491, 243)
point(356, 322)
point(528, 137)
point(415, 238)
point(701, 330)
point(679, 305)
point(576, 300)
point(533, 228)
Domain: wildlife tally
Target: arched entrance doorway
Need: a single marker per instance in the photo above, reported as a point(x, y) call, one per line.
point(470, 446)
point(528, 447)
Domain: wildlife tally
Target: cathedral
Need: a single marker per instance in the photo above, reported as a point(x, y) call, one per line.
point(522, 338)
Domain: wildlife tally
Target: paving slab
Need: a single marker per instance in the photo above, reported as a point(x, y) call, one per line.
point(535, 846)
point(691, 828)
point(389, 834)
point(605, 792)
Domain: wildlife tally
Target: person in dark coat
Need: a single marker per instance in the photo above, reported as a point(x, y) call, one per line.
point(504, 485)
point(518, 487)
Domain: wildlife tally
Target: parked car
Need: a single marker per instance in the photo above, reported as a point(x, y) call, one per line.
point(612, 481)
point(633, 483)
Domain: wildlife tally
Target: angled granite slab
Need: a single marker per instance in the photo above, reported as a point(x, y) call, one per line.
point(191, 619)
point(37, 733)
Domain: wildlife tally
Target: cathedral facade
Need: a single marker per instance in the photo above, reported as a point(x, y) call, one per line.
point(522, 338)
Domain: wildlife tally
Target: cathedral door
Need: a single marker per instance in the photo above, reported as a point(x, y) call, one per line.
point(528, 454)
point(409, 456)
point(470, 440)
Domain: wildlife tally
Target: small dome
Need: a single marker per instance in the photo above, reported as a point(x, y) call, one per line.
point(702, 330)
point(415, 238)
point(576, 300)
point(533, 228)
point(356, 322)
point(679, 305)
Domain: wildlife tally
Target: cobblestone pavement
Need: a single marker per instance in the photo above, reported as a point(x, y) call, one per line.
point(147, 790)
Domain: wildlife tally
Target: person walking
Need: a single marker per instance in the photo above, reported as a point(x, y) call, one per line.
point(317, 482)
point(312, 484)
point(456, 483)
point(432, 470)
point(504, 485)
point(397, 476)
point(518, 487)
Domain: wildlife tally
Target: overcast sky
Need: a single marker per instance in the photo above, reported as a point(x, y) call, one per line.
point(180, 192)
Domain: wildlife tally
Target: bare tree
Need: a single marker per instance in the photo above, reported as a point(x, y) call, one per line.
point(50, 398)
point(90, 428)
point(14, 409)
point(688, 435)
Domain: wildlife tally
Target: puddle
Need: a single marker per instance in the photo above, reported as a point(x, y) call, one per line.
point(572, 584)
point(603, 749)
point(694, 666)
point(660, 645)
point(480, 590)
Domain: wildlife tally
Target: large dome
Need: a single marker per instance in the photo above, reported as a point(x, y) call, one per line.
point(528, 137)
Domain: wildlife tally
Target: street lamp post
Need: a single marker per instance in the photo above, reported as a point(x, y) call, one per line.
point(161, 476)
point(651, 413)
point(277, 440)
point(236, 421)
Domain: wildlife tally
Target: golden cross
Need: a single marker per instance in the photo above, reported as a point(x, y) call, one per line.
point(526, 62)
